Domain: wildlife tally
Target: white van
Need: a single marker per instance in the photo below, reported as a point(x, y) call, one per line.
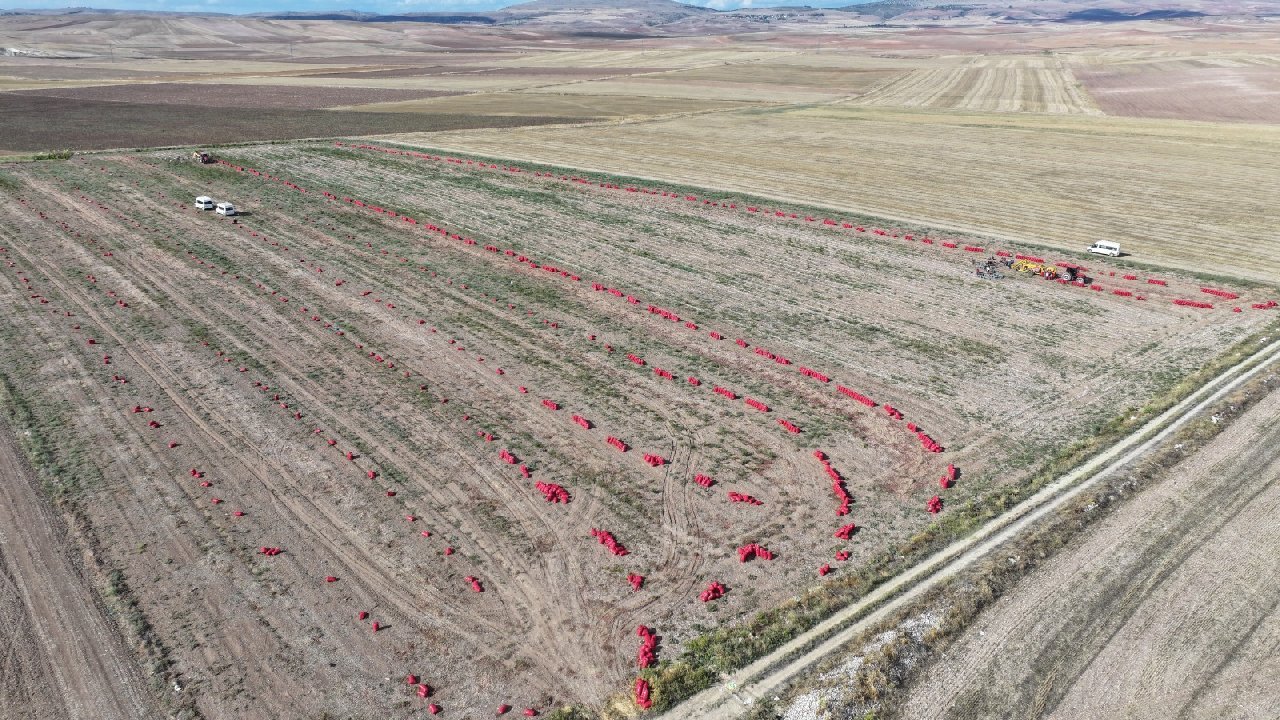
point(225, 208)
point(1105, 247)
point(204, 202)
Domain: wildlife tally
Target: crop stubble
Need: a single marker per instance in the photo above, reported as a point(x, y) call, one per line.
point(1168, 609)
point(1185, 194)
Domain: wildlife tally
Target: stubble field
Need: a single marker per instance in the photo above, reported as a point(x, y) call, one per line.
point(1166, 610)
point(258, 353)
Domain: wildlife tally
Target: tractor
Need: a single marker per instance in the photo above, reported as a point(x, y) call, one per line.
point(988, 269)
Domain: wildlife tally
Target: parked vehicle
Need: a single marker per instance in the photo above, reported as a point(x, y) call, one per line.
point(225, 208)
point(204, 202)
point(1105, 247)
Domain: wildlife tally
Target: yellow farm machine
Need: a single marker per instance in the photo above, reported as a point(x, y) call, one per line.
point(1049, 271)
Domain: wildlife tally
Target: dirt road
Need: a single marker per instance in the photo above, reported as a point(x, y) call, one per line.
point(738, 692)
point(59, 655)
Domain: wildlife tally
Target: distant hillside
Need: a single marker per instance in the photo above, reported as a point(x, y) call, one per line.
point(1107, 15)
point(355, 16)
point(920, 11)
point(668, 18)
point(539, 6)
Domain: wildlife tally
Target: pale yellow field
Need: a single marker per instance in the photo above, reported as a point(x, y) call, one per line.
point(460, 82)
point(548, 104)
point(661, 87)
point(639, 58)
point(1192, 195)
point(988, 84)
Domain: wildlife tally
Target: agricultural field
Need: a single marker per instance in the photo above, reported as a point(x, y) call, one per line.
point(569, 106)
point(1243, 89)
point(1166, 610)
point(63, 658)
point(1191, 195)
point(544, 368)
point(427, 430)
point(87, 124)
point(988, 84)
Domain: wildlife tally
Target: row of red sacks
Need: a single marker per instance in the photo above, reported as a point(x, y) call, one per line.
point(653, 309)
point(779, 213)
point(271, 551)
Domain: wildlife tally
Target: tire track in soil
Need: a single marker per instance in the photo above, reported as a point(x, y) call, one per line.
point(528, 590)
point(63, 654)
point(351, 564)
point(521, 509)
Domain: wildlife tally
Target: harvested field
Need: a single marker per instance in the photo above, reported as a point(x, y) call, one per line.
point(43, 70)
point(235, 364)
point(1249, 93)
point(245, 97)
point(376, 72)
point(445, 82)
point(549, 105)
point(542, 72)
point(988, 84)
point(36, 122)
point(419, 432)
point(62, 656)
point(1192, 195)
point(574, 72)
point(1166, 610)
point(665, 86)
point(646, 58)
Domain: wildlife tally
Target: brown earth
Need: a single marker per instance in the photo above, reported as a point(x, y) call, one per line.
point(255, 636)
point(60, 655)
point(245, 97)
point(1169, 609)
point(1232, 94)
point(95, 125)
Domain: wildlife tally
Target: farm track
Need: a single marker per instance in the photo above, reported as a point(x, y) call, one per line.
point(765, 676)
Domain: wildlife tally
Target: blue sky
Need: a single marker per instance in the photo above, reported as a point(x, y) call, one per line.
point(376, 6)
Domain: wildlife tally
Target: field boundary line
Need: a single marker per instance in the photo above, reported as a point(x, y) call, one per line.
point(739, 690)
